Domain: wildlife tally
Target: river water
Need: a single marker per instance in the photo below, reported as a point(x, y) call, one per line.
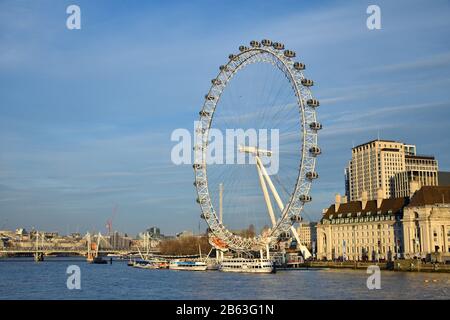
point(22, 278)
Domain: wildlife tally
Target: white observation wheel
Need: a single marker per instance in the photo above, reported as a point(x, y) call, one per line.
point(273, 53)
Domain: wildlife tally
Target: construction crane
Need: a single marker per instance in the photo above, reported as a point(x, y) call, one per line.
point(110, 220)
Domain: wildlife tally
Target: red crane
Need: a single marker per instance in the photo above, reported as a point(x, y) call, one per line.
point(110, 220)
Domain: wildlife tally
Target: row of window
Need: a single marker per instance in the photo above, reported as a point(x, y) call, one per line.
point(361, 219)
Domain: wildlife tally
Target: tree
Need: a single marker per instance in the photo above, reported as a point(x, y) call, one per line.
point(188, 245)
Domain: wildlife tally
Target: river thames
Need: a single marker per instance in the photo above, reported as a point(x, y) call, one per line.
point(22, 278)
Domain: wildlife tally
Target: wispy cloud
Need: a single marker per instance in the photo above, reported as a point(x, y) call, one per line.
point(436, 61)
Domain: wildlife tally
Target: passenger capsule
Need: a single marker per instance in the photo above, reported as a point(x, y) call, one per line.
point(305, 198)
point(278, 46)
point(315, 151)
point(216, 82)
point(284, 236)
point(204, 216)
point(315, 126)
point(312, 175)
point(299, 66)
point(209, 97)
point(243, 48)
point(200, 130)
point(255, 44)
point(201, 201)
point(266, 42)
point(307, 82)
point(232, 57)
point(199, 183)
point(313, 103)
point(223, 68)
point(296, 218)
point(197, 166)
point(289, 53)
point(204, 113)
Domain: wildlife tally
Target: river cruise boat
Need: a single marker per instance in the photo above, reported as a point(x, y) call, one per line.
point(247, 265)
point(212, 264)
point(145, 265)
point(188, 265)
point(148, 264)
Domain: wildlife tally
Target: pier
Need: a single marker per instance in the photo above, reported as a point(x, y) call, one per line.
point(409, 265)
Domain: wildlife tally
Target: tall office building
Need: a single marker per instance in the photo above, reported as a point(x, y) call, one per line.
point(387, 165)
point(372, 167)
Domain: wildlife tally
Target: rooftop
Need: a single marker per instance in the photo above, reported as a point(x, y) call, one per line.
point(388, 206)
point(379, 140)
point(427, 195)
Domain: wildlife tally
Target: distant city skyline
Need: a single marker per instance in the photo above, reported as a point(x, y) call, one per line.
point(86, 115)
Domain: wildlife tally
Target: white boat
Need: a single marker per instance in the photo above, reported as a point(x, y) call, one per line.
point(212, 265)
point(187, 265)
point(247, 265)
point(144, 264)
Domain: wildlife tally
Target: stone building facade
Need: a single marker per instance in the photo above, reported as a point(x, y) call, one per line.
point(307, 234)
point(384, 229)
point(426, 222)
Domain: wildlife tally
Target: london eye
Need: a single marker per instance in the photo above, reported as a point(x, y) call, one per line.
point(262, 91)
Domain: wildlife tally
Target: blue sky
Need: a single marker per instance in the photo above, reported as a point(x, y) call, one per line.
point(86, 115)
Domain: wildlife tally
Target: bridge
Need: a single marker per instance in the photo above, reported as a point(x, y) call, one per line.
point(95, 246)
point(78, 251)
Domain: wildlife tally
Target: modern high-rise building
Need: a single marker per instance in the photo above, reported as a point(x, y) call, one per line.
point(387, 165)
point(420, 169)
point(372, 167)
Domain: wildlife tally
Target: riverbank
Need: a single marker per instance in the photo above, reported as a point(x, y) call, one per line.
point(398, 265)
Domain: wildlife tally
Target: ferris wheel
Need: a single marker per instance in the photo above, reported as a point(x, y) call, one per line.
point(273, 94)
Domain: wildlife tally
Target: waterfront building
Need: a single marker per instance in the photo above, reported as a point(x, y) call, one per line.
point(426, 223)
point(75, 236)
point(387, 165)
point(22, 233)
point(307, 233)
point(153, 232)
point(384, 229)
point(360, 230)
point(119, 241)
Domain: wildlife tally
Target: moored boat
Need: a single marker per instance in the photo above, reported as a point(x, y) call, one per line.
point(187, 265)
point(98, 260)
point(247, 265)
point(145, 265)
point(212, 265)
